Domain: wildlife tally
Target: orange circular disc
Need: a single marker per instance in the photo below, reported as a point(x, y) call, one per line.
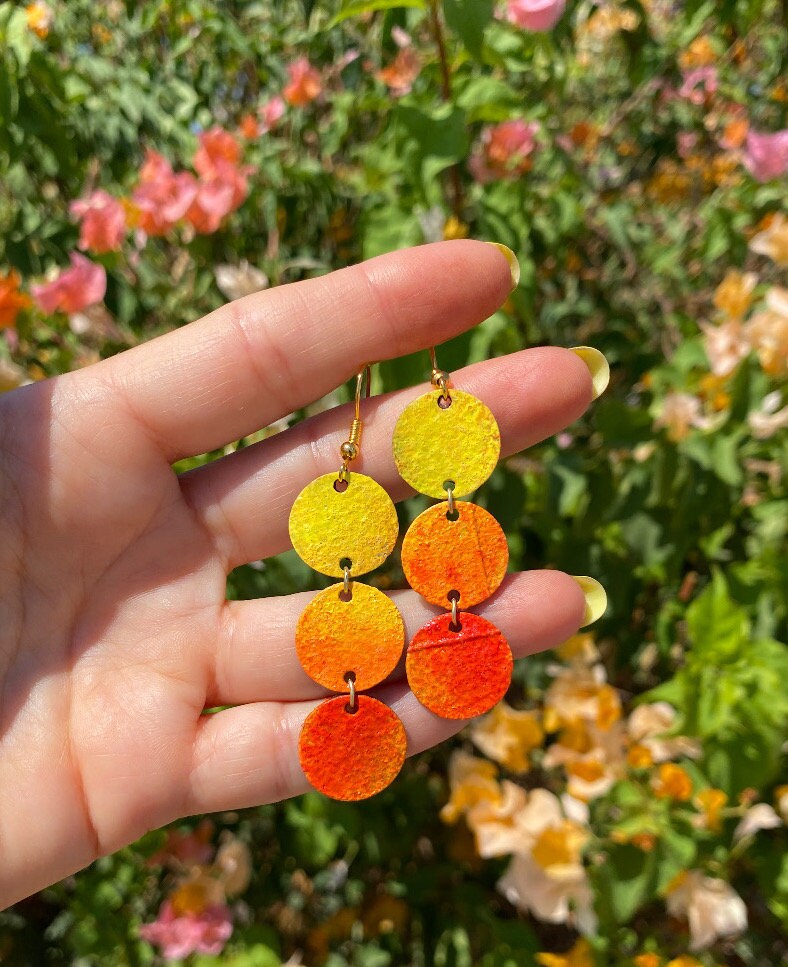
point(352, 755)
point(468, 555)
point(459, 674)
point(364, 635)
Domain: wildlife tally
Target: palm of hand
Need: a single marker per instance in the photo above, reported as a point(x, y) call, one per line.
point(114, 630)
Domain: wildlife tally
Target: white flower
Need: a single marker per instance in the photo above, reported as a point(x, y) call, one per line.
point(565, 898)
point(766, 421)
point(236, 281)
point(760, 816)
point(712, 907)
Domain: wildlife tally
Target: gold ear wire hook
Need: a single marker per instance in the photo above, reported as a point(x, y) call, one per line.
point(352, 446)
point(439, 376)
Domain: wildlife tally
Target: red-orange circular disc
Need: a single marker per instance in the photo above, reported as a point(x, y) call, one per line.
point(459, 674)
point(364, 634)
point(352, 755)
point(468, 554)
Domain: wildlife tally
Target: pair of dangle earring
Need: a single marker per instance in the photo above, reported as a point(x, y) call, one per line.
point(350, 637)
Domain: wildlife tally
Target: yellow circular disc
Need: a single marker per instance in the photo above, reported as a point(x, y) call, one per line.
point(358, 524)
point(362, 634)
point(433, 445)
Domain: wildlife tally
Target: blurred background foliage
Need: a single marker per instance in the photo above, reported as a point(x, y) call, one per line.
point(633, 155)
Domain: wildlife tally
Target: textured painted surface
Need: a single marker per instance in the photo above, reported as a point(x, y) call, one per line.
point(461, 443)
point(359, 524)
point(364, 635)
point(352, 756)
point(468, 555)
point(459, 674)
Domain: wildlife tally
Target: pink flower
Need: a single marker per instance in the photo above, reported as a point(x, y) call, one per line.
point(504, 151)
point(222, 186)
point(180, 935)
point(686, 141)
point(217, 148)
point(83, 285)
point(103, 221)
point(698, 84)
point(766, 155)
point(305, 83)
point(535, 14)
point(162, 197)
point(271, 113)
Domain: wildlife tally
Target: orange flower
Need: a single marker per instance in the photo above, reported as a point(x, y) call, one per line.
point(249, 126)
point(509, 736)
point(734, 294)
point(39, 18)
point(672, 782)
point(11, 299)
point(640, 757)
point(609, 710)
point(644, 841)
point(400, 74)
point(735, 133)
point(305, 83)
point(648, 960)
point(579, 956)
point(454, 228)
point(711, 801)
point(700, 53)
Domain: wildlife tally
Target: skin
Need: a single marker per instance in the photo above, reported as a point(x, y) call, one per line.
point(115, 633)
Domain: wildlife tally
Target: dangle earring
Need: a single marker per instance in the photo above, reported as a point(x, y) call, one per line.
point(351, 635)
point(446, 444)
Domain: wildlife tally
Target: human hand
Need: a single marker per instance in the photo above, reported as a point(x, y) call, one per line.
point(115, 633)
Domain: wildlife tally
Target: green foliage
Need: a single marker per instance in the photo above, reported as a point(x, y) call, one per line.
point(622, 242)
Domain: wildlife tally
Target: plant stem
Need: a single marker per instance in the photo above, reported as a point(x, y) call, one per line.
point(458, 199)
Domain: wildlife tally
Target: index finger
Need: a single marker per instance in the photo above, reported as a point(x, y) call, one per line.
point(255, 360)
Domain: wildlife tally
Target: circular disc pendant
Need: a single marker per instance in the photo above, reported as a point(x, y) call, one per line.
point(433, 444)
point(358, 523)
point(459, 674)
point(364, 634)
point(351, 755)
point(468, 554)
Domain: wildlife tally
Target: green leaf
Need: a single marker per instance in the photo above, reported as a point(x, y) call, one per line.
point(715, 624)
point(468, 19)
point(355, 8)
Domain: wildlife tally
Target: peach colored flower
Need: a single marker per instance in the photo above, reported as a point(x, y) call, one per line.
point(726, 346)
point(103, 221)
point(647, 726)
point(538, 15)
point(222, 185)
point(471, 780)
point(509, 736)
point(766, 421)
point(766, 155)
point(83, 285)
point(712, 907)
point(236, 281)
point(233, 863)
point(305, 83)
point(767, 332)
point(734, 134)
point(760, 816)
point(773, 240)
point(734, 294)
point(180, 935)
point(11, 375)
point(39, 18)
point(249, 127)
point(679, 413)
point(12, 300)
point(504, 151)
point(400, 74)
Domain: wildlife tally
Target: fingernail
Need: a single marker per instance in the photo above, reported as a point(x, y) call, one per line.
point(511, 258)
point(598, 366)
point(596, 598)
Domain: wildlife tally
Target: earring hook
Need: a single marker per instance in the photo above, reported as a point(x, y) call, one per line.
point(351, 448)
point(439, 376)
